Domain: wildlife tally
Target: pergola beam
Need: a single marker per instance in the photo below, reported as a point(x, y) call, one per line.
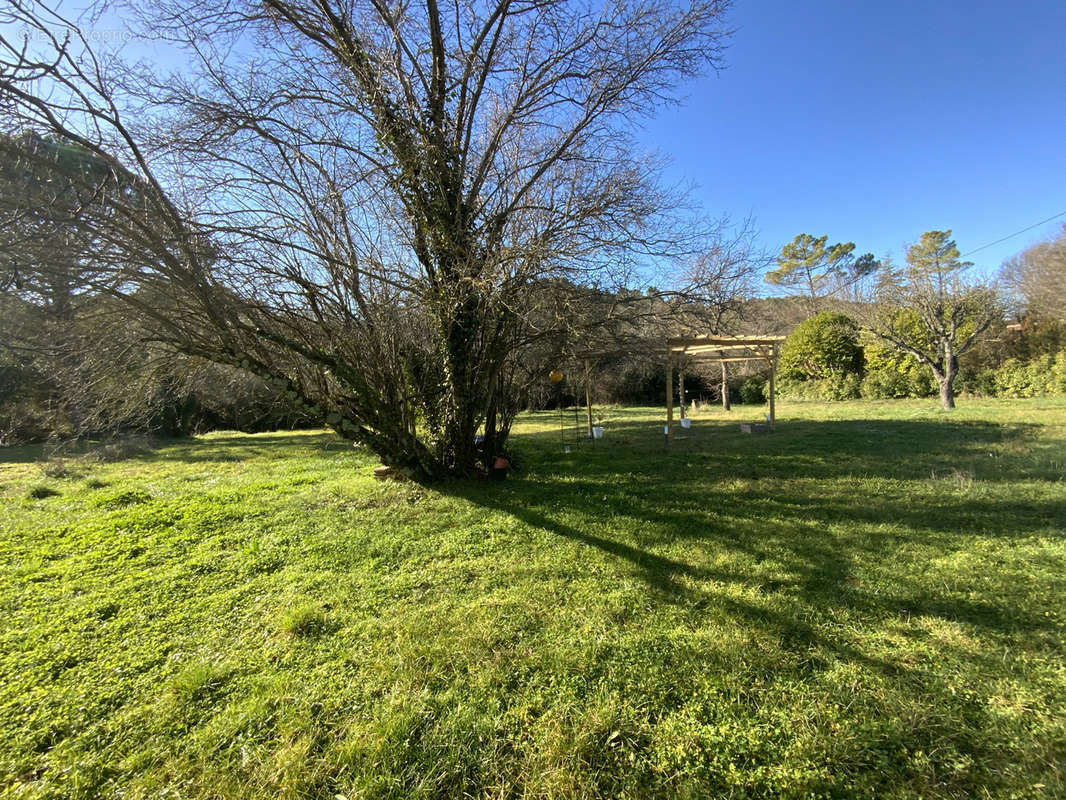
point(699, 351)
point(732, 359)
point(722, 341)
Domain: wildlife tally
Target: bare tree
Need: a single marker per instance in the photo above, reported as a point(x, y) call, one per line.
point(369, 205)
point(714, 289)
point(1036, 278)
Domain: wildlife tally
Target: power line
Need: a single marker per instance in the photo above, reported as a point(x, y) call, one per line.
point(1016, 233)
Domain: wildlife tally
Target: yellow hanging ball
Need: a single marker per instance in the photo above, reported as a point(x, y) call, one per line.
point(555, 376)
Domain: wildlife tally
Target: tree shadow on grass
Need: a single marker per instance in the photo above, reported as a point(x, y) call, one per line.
point(703, 591)
point(792, 513)
point(897, 449)
point(820, 566)
point(699, 547)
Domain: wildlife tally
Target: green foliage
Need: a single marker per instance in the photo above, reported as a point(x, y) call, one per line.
point(1037, 336)
point(835, 387)
point(1042, 377)
point(808, 264)
point(935, 255)
point(868, 603)
point(906, 325)
point(40, 491)
point(822, 359)
point(890, 384)
point(930, 310)
point(753, 391)
point(129, 497)
point(824, 346)
point(892, 374)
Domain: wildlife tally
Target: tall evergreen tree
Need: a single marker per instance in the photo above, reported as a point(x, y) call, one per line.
point(811, 268)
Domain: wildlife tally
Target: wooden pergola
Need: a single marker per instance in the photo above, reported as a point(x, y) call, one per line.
point(716, 349)
point(721, 350)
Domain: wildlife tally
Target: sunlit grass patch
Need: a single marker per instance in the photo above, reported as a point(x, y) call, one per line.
point(199, 682)
point(304, 620)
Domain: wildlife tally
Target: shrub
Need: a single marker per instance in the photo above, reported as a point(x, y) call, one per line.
point(753, 391)
point(304, 620)
point(889, 384)
point(824, 346)
point(822, 359)
point(840, 387)
point(122, 499)
point(835, 387)
point(981, 383)
point(1044, 375)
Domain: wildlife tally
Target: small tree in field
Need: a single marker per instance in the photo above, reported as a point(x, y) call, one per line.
point(930, 310)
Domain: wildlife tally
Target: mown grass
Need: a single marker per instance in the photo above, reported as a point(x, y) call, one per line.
point(867, 602)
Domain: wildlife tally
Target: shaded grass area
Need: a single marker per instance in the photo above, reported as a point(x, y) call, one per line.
point(867, 602)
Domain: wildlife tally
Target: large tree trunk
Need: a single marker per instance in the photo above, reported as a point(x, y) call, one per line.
point(947, 394)
point(947, 378)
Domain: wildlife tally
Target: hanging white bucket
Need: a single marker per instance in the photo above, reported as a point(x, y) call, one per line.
point(686, 422)
point(597, 432)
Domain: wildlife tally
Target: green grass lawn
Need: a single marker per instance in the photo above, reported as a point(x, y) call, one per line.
point(868, 602)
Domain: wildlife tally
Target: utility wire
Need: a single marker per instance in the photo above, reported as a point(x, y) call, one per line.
point(1016, 233)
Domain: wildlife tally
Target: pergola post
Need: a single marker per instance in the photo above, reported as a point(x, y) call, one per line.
point(669, 397)
point(681, 392)
point(773, 372)
point(725, 386)
point(588, 395)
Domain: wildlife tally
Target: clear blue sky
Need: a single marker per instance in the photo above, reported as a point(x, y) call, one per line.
point(873, 122)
